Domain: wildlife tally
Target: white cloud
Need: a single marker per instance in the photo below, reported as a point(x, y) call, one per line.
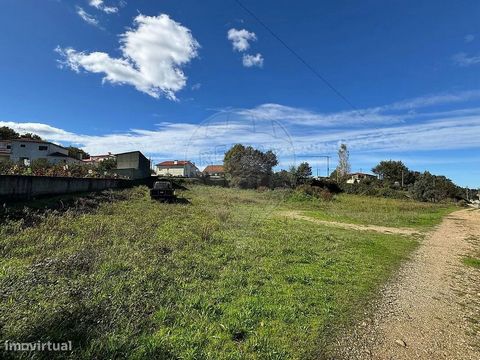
point(89, 19)
point(153, 54)
point(469, 38)
point(240, 39)
point(99, 4)
point(196, 86)
point(280, 127)
point(463, 59)
point(397, 112)
point(252, 60)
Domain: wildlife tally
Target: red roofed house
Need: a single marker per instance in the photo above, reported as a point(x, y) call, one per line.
point(214, 171)
point(97, 159)
point(178, 168)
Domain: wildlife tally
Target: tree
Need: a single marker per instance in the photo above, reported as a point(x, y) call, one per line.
point(107, 164)
point(343, 167)
point(77, 153)
point(249, 168)
point(30, 136)
point(284, 179)
point(304, 171)
point(394, 171)
point(434, 188)
point(7, 133)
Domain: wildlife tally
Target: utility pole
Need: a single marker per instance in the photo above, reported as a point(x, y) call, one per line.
point(321, 156)
point(402, 179)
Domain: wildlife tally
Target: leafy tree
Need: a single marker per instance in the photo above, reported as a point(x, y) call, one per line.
point(304, 171)
point(343, 167)
point(249, 168)
point(107, 164)
point(433, 188)
point(393, 171)
point(30, 136)
point(284, 178)
point(7, 133)
point(77, 153)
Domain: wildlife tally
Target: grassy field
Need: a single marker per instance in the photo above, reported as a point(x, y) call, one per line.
point(220, 278)
point(380, 211)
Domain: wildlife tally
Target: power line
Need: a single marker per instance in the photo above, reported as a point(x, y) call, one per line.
point(300, 58)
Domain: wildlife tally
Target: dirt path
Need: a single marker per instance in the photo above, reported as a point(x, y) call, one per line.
point(425, 312)
point(382, 229)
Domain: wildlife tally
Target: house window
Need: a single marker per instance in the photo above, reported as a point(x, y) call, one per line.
point(43, 147)
point(22, 145)
point(9, 146)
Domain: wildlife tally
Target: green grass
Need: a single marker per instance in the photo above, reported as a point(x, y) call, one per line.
point(471, 261)
point(217, 279)
point(367, 210)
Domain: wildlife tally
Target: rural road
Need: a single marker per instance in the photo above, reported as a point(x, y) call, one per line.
point(429, 310)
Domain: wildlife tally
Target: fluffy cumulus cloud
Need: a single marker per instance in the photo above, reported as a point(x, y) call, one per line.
point(463, 59)
point(241, 39)
point(153, 53)
point(89, 19)
point(252, 60)
point(99, 4)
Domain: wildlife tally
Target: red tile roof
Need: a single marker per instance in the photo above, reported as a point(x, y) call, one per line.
point(214, 169)
point(175, 163)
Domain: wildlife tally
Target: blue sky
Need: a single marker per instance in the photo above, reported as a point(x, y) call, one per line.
point(188, 78)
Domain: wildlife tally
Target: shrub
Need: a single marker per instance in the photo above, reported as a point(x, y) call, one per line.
point(309, 191)
point(326, 184)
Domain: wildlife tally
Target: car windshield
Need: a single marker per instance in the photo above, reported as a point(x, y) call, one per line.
point(159, 185)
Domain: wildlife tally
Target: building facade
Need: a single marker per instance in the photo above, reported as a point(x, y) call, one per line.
point(177, 168)
point(133, 165)
point(214, 171)
point(356, 178)
point(27, 150)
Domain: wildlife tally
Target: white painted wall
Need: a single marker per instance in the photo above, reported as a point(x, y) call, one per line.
point(30, 150)
point(184, 171)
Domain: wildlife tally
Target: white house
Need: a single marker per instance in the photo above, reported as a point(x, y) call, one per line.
point(27, 150)
point(178, 168)
point(356, 178)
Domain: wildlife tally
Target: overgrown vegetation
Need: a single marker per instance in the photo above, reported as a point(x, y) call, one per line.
point(41, 167)
point(222, 278)
point(379, 211)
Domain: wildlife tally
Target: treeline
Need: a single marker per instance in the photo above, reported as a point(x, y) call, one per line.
point(250, 168)
point(395, 179)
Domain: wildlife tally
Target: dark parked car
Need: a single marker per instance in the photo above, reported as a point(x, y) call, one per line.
point(163, 191)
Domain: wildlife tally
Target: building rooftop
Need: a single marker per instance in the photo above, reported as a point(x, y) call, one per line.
point(174, 163)
point(214, 169)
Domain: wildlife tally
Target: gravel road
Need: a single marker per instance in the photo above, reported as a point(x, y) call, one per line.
point(431, 309)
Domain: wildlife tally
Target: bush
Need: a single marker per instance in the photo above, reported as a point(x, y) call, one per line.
point(309, 191)
point(326, 184)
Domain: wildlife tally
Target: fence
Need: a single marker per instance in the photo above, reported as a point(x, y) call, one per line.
point(19, 187)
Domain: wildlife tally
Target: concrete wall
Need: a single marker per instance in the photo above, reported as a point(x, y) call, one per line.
point(16, 187)
point(133, 164)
